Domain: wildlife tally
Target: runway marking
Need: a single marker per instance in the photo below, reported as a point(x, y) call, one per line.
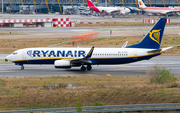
point(109, 75)
point(92, 75)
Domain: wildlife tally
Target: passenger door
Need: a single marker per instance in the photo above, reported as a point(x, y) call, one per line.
point(135, 54)
point(24, 54)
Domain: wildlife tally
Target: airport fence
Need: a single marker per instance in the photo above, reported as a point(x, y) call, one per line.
point(111, 108)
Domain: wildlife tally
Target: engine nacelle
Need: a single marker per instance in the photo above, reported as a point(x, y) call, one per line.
point(123, 13)
point(62, 64)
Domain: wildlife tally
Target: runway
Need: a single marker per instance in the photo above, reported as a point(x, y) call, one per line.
point(86, 29)
point(133, 69)
point(82, 18)
point(104, 32)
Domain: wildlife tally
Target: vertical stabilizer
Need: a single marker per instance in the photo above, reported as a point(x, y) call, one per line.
point(153, 39)
point(90, 4)
point(141, 4)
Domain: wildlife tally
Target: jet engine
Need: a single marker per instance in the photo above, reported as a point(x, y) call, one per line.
point(103, 11)
point(122, 13)
point(62, 64)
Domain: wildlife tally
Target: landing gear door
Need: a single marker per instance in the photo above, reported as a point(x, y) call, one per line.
point(24, 54)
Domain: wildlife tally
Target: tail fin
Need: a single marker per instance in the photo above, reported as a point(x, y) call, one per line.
point(153, 39)
point(90, 4)
point(141, 4)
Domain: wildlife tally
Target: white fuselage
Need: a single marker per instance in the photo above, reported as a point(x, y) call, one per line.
point(160, 10)
point(122, 10)
point(99, 55)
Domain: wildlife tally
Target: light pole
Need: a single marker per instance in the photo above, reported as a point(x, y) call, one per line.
point(105, 3)
point(2, 6)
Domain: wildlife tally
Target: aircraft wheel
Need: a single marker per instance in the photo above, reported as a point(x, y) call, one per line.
point(22, 67)
point(83, 68)
point(89, 67)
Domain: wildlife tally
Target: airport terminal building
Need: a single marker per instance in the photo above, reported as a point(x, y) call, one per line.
point(45, 6)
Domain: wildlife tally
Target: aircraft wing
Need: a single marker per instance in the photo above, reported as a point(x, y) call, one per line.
point(110, 11)
point(85, 59)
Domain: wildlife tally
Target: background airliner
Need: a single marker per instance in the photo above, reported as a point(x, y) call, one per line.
point(158, 10)
point(86, 57)
point(122, 10)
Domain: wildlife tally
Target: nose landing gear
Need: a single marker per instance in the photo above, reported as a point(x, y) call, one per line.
point(22, 67)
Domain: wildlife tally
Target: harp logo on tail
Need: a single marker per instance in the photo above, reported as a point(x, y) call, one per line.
point(154, 35)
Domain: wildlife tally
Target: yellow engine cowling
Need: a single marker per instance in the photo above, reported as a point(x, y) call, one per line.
point(62, 64)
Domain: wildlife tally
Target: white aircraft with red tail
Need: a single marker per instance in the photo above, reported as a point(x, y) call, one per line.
point(121, 10)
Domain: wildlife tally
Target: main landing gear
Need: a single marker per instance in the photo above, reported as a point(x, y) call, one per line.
point(89, 67)
point(83, 68)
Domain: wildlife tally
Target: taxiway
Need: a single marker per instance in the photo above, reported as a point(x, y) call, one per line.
point(133, 69)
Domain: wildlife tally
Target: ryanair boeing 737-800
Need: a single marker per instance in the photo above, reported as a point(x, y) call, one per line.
point(86, 57)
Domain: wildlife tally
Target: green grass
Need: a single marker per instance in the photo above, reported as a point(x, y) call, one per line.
point(10, 33)
point(34, 92)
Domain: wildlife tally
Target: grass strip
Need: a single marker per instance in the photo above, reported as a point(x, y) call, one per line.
point(34, 92)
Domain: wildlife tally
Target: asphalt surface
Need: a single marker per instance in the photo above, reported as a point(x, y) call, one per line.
point(2, 56)
point(76, 29)
point(133, 69)
point(82, 18)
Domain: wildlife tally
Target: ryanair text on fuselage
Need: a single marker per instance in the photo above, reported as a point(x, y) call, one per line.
point(58, 53)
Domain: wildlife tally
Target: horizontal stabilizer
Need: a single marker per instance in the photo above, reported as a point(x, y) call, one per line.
point(164, 49)
point(155, 51)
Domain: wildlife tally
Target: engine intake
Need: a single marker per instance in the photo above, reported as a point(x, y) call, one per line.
point(62, 64)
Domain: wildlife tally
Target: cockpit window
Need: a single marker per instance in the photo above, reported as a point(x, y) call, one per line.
point(14, 53)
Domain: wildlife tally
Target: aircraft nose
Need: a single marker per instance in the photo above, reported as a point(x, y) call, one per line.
point(8, 58)
point(128, 10)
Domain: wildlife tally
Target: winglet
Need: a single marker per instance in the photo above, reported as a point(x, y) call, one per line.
point(90, 53)
point(125, 44)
